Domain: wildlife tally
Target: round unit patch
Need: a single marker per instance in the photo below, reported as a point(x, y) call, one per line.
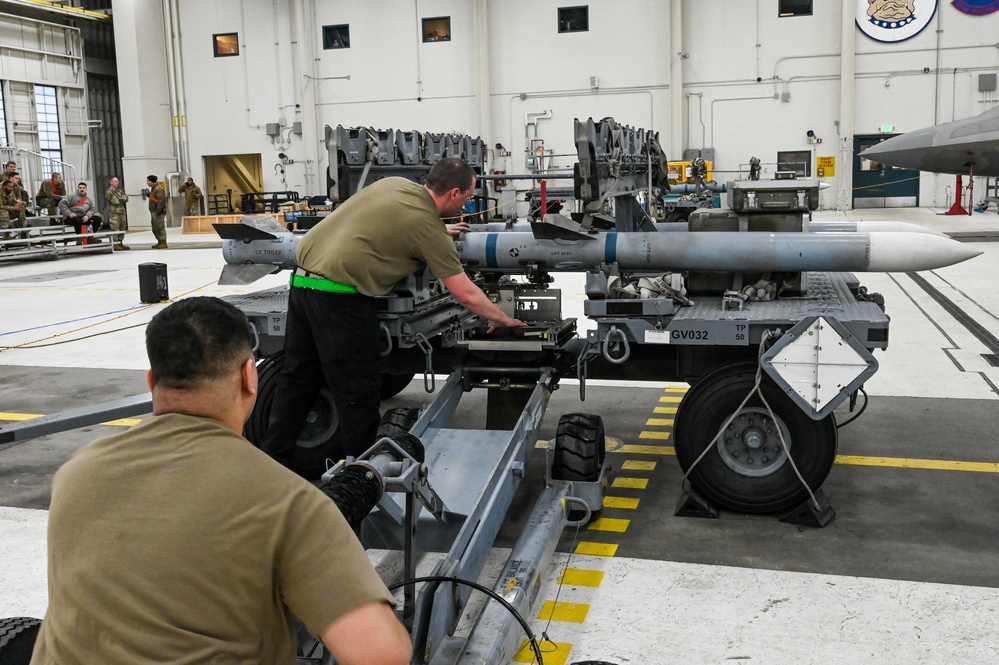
point(894, 20)
point(976, 7)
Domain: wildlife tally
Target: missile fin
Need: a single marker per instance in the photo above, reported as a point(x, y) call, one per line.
point(245, 274)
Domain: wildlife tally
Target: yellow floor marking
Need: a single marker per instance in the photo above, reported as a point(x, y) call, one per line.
point(667, 399)
point(635, 465)
point(645, 450)
point(660, 436)
point(664, 409)
point(581, 577)
point(909, 463)
point(596, 549)
point(554, 653)
point(659, 422)
point(123, 422)
point(19, 416)
point(611, 524)
point(623, 502)
point(631, 483)
point(677, 389)
point(563, 611)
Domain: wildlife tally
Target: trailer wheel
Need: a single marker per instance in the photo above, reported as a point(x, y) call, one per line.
point(579, 447)
point(17, 639)
point(393, 384)
point(397, 421)
point(315, 442)
point(747, 470)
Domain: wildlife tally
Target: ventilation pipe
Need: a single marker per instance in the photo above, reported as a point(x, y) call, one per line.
point(675, 80)
point(847, 105)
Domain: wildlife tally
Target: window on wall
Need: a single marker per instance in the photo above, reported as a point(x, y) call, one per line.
point(794, 8)
point(225, 44)
point(49, 140)
point(4, 142)
point(336, 36)
point(574, 19)
point(437, 29)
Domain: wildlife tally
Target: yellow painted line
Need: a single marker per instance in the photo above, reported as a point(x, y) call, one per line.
point(659, 436)
point(19, 416)
point(121, 422)
point(581, 577)
point(910, 463)
point(668, 399)
point(677, 389)
point(631, 483)
point(622, 502)
point(636, 465)
point(644, 450)
point(563, 611)
point(664, 409)
point(659, 422)
point(611, 524)
point(554, 653)
point(596, 549)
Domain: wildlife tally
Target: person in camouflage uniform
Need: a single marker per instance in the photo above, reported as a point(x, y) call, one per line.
point(116, 199)
point(157, 211)
point(8, 169)
point(51, 193)
point(192, 198)
point(22, 195)
point(10, 204)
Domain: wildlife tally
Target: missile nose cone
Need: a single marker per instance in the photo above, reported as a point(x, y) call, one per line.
point(912, 252)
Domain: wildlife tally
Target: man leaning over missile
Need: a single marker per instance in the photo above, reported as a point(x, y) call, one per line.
point(386, 231)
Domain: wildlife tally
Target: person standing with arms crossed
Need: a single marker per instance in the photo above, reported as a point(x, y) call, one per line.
point(157, 211)
point(116, 198)
point(177, 541)
point(381, 234)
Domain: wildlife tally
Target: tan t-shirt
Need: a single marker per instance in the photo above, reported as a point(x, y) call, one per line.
point(179, 542)
point(386, 231)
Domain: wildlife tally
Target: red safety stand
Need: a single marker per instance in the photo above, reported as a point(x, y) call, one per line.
point(957, 208)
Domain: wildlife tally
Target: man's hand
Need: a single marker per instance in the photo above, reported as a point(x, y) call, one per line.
point(457, 227)
point(73, 215)
point(505, 322)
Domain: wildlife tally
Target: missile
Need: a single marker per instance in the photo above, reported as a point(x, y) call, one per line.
point(836, 226)
point(751, 252)
point(259, 246)
point(960, 147)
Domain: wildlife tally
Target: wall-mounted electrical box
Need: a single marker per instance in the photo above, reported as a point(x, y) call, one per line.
point(272, 129)
point(296, 128)
point(986, 82)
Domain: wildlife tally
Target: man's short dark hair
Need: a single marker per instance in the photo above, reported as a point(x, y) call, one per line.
point(448, 173)
point(81, 183)
point(195, 340)
point(10, 164)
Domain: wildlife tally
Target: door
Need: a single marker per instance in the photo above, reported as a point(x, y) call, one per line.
point(228, 177)
point(878, 185)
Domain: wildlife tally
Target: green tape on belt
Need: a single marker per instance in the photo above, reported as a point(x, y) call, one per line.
point(320, 284)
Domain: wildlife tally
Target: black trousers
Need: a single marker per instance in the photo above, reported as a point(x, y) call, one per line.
point(330, 339)
point(95, 221)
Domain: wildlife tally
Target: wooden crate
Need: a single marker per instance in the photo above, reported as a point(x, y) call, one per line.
point(203, 223)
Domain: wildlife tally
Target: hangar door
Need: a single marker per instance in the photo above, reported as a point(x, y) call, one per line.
point(228, 177)
point(879, 185)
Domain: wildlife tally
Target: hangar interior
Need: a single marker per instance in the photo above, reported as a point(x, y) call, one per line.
point(238, 95)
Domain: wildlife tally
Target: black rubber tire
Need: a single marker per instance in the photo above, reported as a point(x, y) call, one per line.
point(393, 384)
point(398, 420)
point(580, 446)
point(704, 410)
point(315, 442)
point(17, 639)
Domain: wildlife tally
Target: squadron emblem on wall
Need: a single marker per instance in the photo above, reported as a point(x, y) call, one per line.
point(894, 20)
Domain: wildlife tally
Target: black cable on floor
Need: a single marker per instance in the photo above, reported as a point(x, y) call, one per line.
point(867, 400)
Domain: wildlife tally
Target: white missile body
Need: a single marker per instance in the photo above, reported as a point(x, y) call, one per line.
point(751, 252)
point(253, 250)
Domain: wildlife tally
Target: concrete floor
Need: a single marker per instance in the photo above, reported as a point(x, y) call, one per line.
point(906, 573)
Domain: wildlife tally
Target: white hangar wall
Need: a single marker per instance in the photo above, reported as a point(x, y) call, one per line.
point(743, 81)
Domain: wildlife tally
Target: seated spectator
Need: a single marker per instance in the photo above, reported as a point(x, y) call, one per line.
point(77, 209)
point(50, 193)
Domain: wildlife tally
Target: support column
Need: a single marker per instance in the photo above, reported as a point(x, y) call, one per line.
point(847, 105)
point(146, 123)
point(676, 146)
point(480, 18)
